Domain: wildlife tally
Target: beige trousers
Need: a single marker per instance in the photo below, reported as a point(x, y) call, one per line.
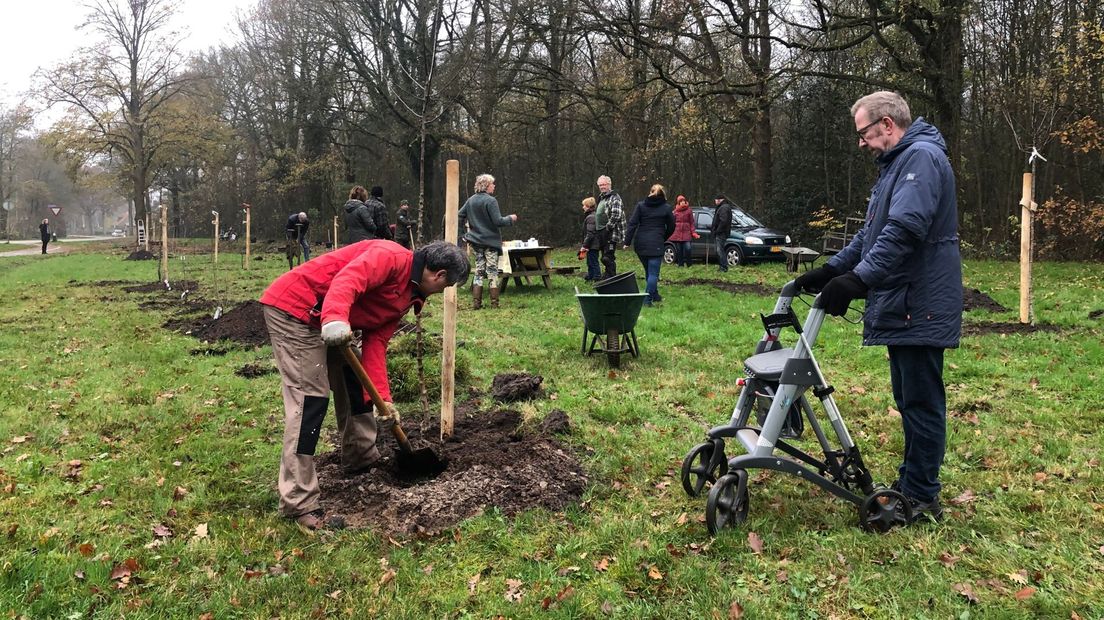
point(310, 370)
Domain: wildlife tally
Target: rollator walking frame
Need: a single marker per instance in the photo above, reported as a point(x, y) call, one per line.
point(786, 376)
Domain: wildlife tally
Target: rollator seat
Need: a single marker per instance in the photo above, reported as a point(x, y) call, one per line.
point(768, 366)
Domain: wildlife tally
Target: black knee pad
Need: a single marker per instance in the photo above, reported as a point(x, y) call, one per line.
point(357, 405)
point(314, 411)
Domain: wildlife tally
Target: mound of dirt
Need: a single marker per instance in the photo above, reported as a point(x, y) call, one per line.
point(252, 371)
point(1096, 314)
point(512, 387)
point(490, 464)
point(140, 255)
point(733, 287)
point(973, 299)
point(981, 329)
point(157, 287)
point(243, 324)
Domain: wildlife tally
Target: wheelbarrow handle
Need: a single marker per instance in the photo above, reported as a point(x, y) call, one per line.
point(377, 400)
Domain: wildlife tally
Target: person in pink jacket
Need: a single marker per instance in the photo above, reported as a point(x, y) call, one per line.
point(684, 231)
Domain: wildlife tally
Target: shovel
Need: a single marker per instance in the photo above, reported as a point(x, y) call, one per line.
point(423, 461)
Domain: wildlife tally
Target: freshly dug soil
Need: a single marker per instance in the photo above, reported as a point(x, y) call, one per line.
point(252, 371)
point(140, 255)
point(1096, 314)
point(490, 464)
point(243, 324)
point(733, 287)
point(973, 299)
point(512, 387)
point(981, 329)
point(159, 287)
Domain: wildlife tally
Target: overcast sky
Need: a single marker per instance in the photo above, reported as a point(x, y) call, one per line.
point(40, 33)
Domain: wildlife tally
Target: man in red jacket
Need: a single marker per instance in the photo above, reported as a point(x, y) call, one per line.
point(311, 311)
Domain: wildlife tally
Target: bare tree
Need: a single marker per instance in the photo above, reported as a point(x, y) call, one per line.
point(116, 90)
point(13, 124)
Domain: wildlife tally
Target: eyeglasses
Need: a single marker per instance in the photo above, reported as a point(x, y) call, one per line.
point(862, 132)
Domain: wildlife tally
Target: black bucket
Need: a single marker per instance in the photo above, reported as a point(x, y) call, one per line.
point(619, 284)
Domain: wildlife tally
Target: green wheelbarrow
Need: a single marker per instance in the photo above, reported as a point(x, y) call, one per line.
point(609, 321)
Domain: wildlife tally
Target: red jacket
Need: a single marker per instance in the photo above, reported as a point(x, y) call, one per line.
point(367, 284)
point(684, 225)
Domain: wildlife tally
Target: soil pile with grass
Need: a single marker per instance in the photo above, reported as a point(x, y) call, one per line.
point(252, 371)
point(738, 288)
point(513, 387)
point(982, 329)
point(491, 463)
point(159, 287)
point(140, 255)
point(973, 299)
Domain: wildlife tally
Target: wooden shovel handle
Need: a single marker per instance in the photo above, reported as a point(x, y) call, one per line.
point(377, 400)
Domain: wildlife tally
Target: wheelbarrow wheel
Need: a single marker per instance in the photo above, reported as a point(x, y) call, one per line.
point(613, 347)
point(702, 465)
point(727, 504)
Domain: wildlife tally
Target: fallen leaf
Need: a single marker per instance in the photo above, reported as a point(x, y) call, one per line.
point(1040, 476)
point(179, 493)
point(473, 582)
point(427, 569)
point(200, 531)
point(681, 520)
point(1024, 594)
point(782, 576)
point(1019, 577)
point(965, 497)
point(276, 570)
point(86, 549)
point(602, 565)
point(755, 542)
point(566, 592)
point(162, 531)
point(124, 569)
point(948, 560)
point(967, 592)
point(607, 607)
point(514, 593)
point(857, 389)
point(250, 573)
point(79, 575)
point(207, 616)
point(735, 611)
point(893, 412)
point(19, 439)
point(653, 573)
point(387, 577)
point(335, 594)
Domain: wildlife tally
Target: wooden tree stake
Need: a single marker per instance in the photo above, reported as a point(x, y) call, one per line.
point(448, 337)
point(1027, 216)
point(247, 222)
point(216, 223)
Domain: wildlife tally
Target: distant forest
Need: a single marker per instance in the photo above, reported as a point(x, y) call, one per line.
point(745, 97)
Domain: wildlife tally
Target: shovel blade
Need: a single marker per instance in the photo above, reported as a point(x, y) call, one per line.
point(420, 463)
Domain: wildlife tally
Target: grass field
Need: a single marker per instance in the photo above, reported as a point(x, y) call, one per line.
point(138, 480)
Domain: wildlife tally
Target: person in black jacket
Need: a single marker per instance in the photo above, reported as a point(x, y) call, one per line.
point(296, 230)
point(721, 228)
point(591, 241)
point(379, 214)
point(651, 222)
point(358, 218)
point(44, 232)
point(404, 232)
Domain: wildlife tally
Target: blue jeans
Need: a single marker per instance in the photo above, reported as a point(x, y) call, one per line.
point(594, 268)
point(651, 276)
point(917, 376)
point(682, 253)
point(306, 248)
point(719, 242)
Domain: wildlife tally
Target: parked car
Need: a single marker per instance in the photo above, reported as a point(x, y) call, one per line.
point(749, 240)
point(118, 232)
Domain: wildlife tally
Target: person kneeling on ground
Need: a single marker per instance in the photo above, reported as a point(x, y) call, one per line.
point(311, 312)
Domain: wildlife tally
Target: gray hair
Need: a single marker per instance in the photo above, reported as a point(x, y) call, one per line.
point(882, 104)
point(606, 178)
point(483, 182)
point(302, 216)
point(440, 255)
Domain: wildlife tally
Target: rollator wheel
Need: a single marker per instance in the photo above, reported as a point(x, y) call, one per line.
point(883, 509)
point(705, 463)
point(728, 502)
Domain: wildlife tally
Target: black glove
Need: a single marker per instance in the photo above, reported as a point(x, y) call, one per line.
point(813, 281)
point(839, 292)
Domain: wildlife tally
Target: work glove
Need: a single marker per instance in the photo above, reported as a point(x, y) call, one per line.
point(389, 413)
point(813, 281)
point(582, 253)
point(839, 292)
point(336, 333)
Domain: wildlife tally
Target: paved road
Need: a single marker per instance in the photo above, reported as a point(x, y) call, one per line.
point(35, 246)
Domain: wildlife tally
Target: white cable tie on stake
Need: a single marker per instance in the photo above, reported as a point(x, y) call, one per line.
point(1035, 154)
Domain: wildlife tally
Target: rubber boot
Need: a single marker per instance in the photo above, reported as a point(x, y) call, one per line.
point(494, 297)
point(477, 296)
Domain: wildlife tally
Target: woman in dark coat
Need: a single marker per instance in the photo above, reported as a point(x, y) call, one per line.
point(652, 221)
point(358, 218)
point(44, 232)
point(684, 231)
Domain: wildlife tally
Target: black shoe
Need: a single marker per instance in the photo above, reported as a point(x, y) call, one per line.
point(925, 512)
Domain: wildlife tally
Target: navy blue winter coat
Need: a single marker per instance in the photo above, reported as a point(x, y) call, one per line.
point(908, 251)
point(651, 222)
